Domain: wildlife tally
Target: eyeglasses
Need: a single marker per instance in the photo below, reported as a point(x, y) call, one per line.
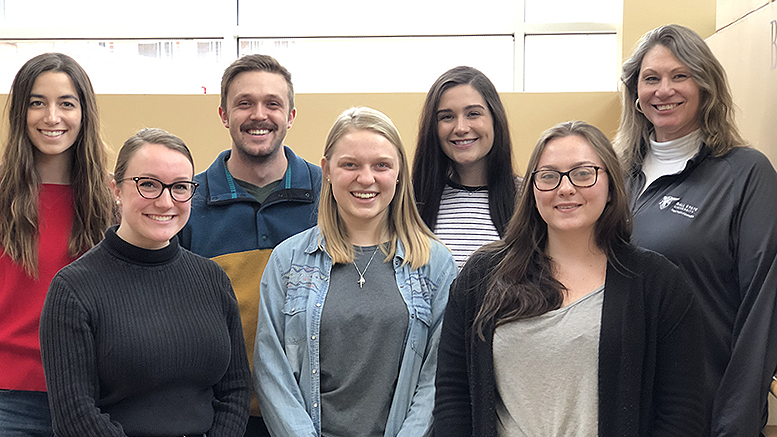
point(152, 188)
point(582, 177)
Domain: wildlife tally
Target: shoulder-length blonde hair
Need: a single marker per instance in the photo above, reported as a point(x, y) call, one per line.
point(715, 115)
point(404, 223)
point(93, 208)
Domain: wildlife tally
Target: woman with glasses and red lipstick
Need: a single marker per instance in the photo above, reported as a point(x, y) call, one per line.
point(563, 328)
point(140, 337)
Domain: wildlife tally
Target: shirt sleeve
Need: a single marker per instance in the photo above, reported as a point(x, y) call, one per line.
point(280, 398)
point(69, 362)
point(232, 393)
point(740, 402)
point(419, 419)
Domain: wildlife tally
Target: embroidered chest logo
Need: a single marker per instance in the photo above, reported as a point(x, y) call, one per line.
point(666, 201)
point(684, 209)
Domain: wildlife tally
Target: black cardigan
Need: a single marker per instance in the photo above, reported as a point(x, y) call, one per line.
point(651, 366)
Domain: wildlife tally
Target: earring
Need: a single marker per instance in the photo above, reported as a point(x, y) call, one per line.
point(636, 105)
point(328, 181)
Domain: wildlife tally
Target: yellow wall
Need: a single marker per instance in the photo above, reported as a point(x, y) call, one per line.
point(745, 46)
point(745, 49)
point(639, 16)
point(195, 117)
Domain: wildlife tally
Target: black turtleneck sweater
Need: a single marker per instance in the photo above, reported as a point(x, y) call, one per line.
point(141, 342)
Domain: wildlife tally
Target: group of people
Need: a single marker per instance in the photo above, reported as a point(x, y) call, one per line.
point(627, 293)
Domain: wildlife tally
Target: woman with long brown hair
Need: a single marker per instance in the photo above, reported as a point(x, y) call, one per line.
point(563, 328)
point(55, 204)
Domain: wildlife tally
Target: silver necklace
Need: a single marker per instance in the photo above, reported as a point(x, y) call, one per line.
point(361, 280)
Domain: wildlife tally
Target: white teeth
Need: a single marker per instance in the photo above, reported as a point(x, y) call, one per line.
point(365, 195)
point(258, 132)
point(463, 142)
point(160, 218)
point(52, 133)
point(665, 107)
point(567, 207)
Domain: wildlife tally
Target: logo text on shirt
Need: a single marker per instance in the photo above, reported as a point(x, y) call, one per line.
point(683, 209)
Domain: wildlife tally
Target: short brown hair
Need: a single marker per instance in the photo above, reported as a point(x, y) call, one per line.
point(254, 63)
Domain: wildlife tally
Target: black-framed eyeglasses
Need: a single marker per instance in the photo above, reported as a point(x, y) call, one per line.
point(152, 188)
point(583, 176)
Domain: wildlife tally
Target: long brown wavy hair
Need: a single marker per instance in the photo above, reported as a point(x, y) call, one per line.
point(20, 181)
point(522, 283)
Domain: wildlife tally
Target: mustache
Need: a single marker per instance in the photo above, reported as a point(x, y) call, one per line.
point(256, 125)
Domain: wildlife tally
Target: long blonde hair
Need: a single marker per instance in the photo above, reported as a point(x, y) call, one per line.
point(404, 223)
point(20, 181)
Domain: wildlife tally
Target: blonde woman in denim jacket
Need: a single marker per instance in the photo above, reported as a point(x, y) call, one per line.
point(340, 348)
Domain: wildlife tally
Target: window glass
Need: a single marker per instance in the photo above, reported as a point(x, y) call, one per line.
point(570, 63)
point(406, 64)
point(359, 17)
point(574, 11)
point(143, 15)
point(129, 66)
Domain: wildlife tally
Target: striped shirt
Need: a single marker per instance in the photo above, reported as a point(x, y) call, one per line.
point(464, 221)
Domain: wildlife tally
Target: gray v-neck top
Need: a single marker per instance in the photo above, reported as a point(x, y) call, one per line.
point(362, 338)
point(546, 371)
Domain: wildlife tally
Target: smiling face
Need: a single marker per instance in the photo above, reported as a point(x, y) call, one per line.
point(363, 171)
point(466, 129)
point(258, 114)
point(569, 209)
point(53, 114)
point(667, 94)
point(151, 223)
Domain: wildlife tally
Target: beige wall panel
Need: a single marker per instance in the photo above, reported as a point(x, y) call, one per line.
point(195, 118)
point(748, 52)
point(639, 16)
point(729, 11)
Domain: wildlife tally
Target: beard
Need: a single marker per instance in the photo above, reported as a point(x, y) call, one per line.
point(262, 154)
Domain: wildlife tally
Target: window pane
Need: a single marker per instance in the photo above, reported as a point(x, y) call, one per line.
point(144, 15)
point(365, 18)
point(401, 64)
point(570, 63)
point(129, 67)
point(574, 11)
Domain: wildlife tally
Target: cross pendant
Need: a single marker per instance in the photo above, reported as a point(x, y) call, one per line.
point(361, 281)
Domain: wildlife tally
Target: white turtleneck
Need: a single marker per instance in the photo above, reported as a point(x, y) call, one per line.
point(669, 157)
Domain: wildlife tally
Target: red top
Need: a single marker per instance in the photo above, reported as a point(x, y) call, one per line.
point(21, 297)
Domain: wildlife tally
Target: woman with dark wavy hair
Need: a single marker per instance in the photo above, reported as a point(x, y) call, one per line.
point(55, 204)
point(463, 175)
point(707, 202)
point(563, 328)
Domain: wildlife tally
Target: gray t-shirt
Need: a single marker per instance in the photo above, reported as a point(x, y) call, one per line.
point(546, 371)
point(362, 338)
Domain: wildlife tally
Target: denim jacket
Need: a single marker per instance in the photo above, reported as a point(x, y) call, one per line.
point(286, 355)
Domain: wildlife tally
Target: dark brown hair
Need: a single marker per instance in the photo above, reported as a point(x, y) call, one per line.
point(431, 166)
point(522, 284)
